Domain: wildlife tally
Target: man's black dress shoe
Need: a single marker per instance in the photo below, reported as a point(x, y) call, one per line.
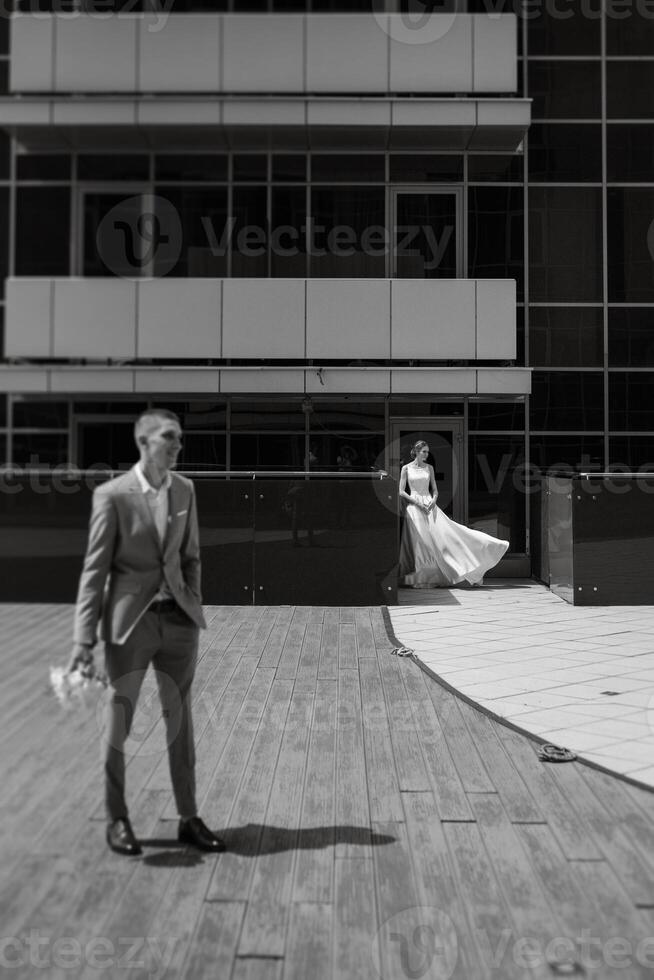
point(193, 831)
point(120, 837)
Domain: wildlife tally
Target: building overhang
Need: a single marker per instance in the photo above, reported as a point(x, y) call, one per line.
point(60, 379)
point(260, 123)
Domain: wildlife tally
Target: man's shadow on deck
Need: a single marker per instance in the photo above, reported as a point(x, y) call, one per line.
point(254, 839)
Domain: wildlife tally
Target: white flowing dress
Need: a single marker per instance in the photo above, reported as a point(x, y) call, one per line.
point(436, 551)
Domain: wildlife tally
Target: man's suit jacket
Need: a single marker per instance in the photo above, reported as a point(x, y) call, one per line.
point(125, 561)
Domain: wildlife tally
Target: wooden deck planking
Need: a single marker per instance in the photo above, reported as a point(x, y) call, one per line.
point(354, 796)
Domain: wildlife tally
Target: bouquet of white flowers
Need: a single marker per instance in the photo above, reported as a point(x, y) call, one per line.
point(78, 688)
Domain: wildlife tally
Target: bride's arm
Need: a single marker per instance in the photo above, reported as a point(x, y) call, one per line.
point(433, 489)
point(402, 487)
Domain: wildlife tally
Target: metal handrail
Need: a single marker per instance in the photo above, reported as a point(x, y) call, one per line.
point(242, 474)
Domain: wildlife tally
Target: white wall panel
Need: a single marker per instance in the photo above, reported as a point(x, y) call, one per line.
point(435, 56)
point(203, 381)
point(345, 382)
point(90, 379)
point(179, 318)
point(495, 66)
point(268, 381)
point(28, 318)
point(17, 380)
point(496, 318)
point(263, 318)
point(433, 319)
point(96, 54)
point(433, 381)
point(507, 381)
point(182, 57)
point(346, 54)
point(94, 318)
point(32, 53)
point(262, 53)
point(348, 318)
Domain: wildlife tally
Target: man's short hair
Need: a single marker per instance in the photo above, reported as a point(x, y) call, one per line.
point(146, 420)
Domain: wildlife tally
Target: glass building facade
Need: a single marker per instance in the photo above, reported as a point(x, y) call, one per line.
point(568, 213)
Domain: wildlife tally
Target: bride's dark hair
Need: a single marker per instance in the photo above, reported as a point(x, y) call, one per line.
point(415, 449)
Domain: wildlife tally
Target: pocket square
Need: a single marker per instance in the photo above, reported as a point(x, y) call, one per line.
point(180, 513)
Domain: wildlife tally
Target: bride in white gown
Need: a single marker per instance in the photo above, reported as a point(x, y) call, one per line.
point(436, 551)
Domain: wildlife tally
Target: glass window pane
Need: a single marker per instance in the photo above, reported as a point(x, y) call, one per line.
point(567, 400)
point(205, 245)
point(412, 168)
point(565, 152)
point(490, 166)
point(43, 166)
point(40, 415)
point(275, 415)
point(630, 400)
point(39, 451)
point(565, 244)
point(48, 210)
point(566, 337)
point(631, 34)
point(630, 152)
point(3, 410)
point(425, 240)
point(4, 156)
point(190, 166)
point(411, 409)
point(353, 452)
point(495, 234)
point(496, 500)
point(115, 242)
point(4, 238)
point(346, 416)
point(570, 30)
point(348, 225)
point(250, 167)
point(110, 408)
point(288, 253)
point(113, 166)
point(289, 167)
point(266, 451)
point(205, 451)
point(578, 454)
point(201, 415)
point(346, 167)
point(631, 452)
point(4, 76)
point(631, 244)
point(250, 237)
point(631, 337)
point(496, 415)
point(630, 89)
point(565, 89)
point(4, 34)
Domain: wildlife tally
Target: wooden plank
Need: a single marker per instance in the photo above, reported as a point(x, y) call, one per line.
point(356, 921)
point(328, 665)
point(365, 638)
point(472, 772)
point(310, 653)
point(270, 891)
point(347, 646)
point(256, 969)
point(411, 769)
point(445, 781)
point(490, 924)
point(309, 946)
point(433, 869)
point(637, 824)
point(572, 834)
point(516, 798)
point(272, 651)
point(383, 786)
point(315, 857)
point(231, 880)
point(316, 614)
point(634, 867)
point(290, 657)
point(259, 638)
point(213, 948)
point(347, 614)
point(395, 883)
point(352, 807)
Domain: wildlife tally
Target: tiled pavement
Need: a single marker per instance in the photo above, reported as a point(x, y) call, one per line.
point(577, 676)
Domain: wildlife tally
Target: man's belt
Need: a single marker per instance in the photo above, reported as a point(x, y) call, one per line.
point(163, 606)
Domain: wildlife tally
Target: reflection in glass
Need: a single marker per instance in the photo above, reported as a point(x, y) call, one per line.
point(630, 89)
point(113, 166)
point(572, 31)
point(205, 231)
point(346, 452)
point(631, 337)
point(348, 232)
point(288, 254)
point(565, 244)
point(284, 416)
point(496, 415)
point(496, 500)
point(633, 34)
point(205, 451)
point(566, 336)
point(190, 166)
point(630, 152)
point(631, 244)
point(495, 234)
point(423, 168)
point(630, 400)
point(250, 234)
point(565, 152)
point(37, 414)
point(42, 231)
point(426, 245)
point(347, 167)
point(578, 453)
point(565, 89)
point(266, 451)
point(43, 166)
point(493, 166)
point(567, 400)
point(631, 453)
point(39, 450)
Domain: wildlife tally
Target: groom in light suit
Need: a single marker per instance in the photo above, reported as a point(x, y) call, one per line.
point(141, 584)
